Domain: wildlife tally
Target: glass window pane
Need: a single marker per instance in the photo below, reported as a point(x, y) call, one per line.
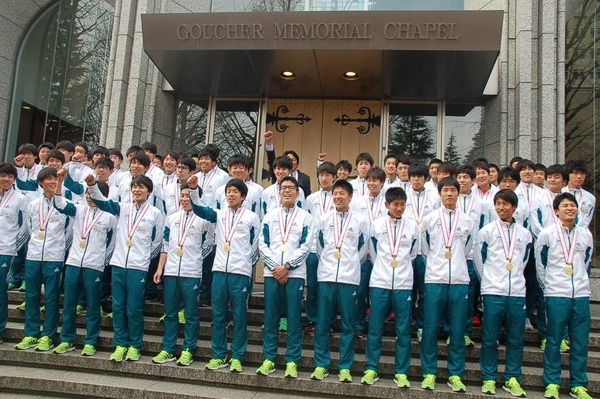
point(235, 129)
point(464, 136)
point(190, 133)
point(413, 131)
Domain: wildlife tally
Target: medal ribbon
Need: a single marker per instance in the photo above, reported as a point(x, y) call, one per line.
point(206, 180)
point(185, 221)
point(525, 193)
point(340, 234)
point(87, 227)
point(507, 245)
point(286, 228)
point(7, 195)
point(325, 205)
point(44, 220)
point(470, 205)
point(133, 223)
point(420, 210)
point(374, 213)
point(230, 225)
point(394, 240)
point(568, 251)
point(177, 194)
point(448, 232)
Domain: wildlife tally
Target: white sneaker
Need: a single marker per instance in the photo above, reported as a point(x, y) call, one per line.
point(528, 326)
point(419, 334)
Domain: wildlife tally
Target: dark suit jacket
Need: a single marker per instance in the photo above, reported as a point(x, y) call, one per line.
point(303, 178)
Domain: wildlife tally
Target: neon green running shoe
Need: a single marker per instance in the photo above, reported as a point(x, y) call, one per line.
point(489, 387)
point(369, 377)
point(162, 318)
point(551, 391)
point(80, 309)
point(283, 324)
point(266, 368)
point(26, 343)
point(513, 387)
point(345, 376)
point(163, 357)
point(63, 347)
point(21, 306)
point(44, 345)
point(186, 358)
point(469, 341)
point(181, 316)
point(88, 350)
point(291, 370)
point(564, 346)
point(215, 364)
point(119, 354)
point(402, 381)
point(235, 366)
point(428, 382)
point(543, 344)
point(133, 354)
point(320, 373)
point(456, 384)
point(579, 393)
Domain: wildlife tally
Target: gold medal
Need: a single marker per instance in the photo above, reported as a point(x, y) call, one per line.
point(337, 254)
point(283, 247)
point(179, 252)
point(448, 254)
point(569, 271)
point(129, 242)
point(41, 235)
point(227, 247)
point(509, 266)
point(82, 244)
point(394, 262)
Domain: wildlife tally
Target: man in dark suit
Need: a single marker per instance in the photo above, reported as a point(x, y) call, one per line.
point(302, 178)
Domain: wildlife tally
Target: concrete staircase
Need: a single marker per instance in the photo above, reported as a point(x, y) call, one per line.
point(32, 373)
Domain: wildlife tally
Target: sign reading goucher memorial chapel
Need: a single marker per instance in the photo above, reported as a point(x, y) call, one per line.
point(393, 30)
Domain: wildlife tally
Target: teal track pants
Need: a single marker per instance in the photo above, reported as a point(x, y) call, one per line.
point(178, 291)
point(36, 274)
point(5, 263)
point(128, 288)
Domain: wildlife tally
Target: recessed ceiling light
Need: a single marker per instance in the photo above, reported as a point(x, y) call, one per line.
point(287, 75)
point(26, 107)
point(350, 75)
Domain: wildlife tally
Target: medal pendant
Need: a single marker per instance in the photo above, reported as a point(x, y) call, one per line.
point(337, 254)
point(448, 254)
point(509, 266)
point(129, 242)
point(227, 247)
point(41, 235)
point(179, 252)
point(569, 271)
point(82, 244)
point(283, 247)
point(394, 262)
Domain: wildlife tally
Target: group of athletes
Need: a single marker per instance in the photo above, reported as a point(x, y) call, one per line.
point(431, 243)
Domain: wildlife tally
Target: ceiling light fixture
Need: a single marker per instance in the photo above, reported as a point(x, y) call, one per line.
point(350, 75)
point(287, 75)
point(26, 107)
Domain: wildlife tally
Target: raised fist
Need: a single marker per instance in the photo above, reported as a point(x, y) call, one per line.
point(90, 180)
point(321, 157)
point(62, 174)
point(269, 137)
point(193, 182)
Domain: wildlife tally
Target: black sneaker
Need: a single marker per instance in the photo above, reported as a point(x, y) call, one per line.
point(309, 329)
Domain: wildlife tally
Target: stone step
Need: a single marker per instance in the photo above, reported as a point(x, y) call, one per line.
point(99, 377)
point(254, 357)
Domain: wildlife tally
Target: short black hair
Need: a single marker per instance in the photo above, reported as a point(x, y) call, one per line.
point(394, 194)
point(418, 169)
point(56, 154)
point(435, 160)
point(365, 156)
point(214, 150)
point(283, 162)
point(240, 159)
point(481, 165)
point(105, 161)
point(134, 149)
point(291, 179)
point(478, 160)
point(525, 163)
point(173, 154)
point(515, 159)
point(150, 147)
point(188, 162)
point(448, 181)
point(46, 173)
point(8, 169)
point(206, 153)
point(509, 172)
point(540, 166)
point(142, 181)
point(576, 165)
point(292, 153)
point(494, 166)
point(558, 169)
point(344, 185)
point(47, 145)
point(562, 197)
point(28, 148)
point(65, 145)
point(103, 151)
point(391, 156)
point(508, 196)
point(240, 185)
point(468, 170)
point(404, 159)
point(117, 152)
point(344, 164)
point(142, 158)
point(103, 187)
point(376, 173)
point(159, 157)
point(327, 168)
point(447, 167)
point(84, 146)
